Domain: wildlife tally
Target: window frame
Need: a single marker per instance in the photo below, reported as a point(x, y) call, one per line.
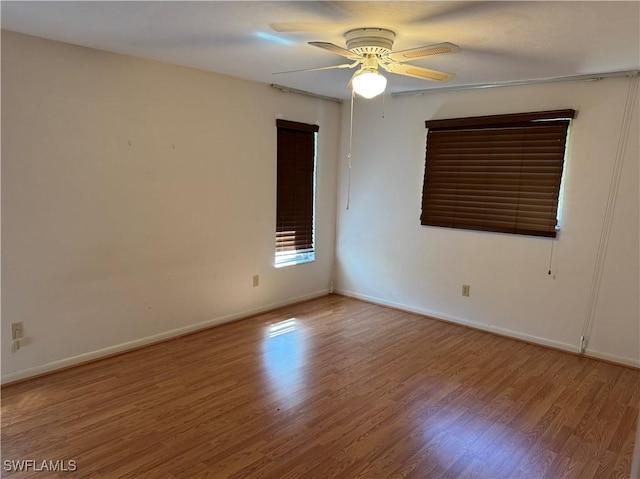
point(295, 180)
point(499, 173)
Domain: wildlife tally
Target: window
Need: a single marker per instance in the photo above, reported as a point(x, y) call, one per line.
point(295, 193)
point(496, 173)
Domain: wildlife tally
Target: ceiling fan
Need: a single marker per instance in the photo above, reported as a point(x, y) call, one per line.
point(370, 48)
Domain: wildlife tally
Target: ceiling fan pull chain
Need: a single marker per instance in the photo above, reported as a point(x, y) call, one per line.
point(384, 97)
point(353, 94)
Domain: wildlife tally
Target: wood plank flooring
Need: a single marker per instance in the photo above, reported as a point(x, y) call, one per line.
point(331, 388)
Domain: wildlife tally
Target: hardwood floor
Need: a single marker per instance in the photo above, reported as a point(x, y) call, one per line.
point(329, 388)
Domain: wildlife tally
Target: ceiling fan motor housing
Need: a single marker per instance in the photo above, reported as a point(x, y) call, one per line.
point(372, 41)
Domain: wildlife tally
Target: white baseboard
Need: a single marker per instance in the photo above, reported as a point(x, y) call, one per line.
point(123, 347)
point(634, 363)
point(493, 329)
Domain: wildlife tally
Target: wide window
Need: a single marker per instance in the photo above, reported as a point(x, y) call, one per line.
point(295, 193)
point(496, 173)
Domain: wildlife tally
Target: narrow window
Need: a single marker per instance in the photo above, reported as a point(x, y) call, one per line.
point(295, 193)
point(496, 173)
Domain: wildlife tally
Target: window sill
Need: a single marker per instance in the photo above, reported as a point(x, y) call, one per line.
point(292, 260)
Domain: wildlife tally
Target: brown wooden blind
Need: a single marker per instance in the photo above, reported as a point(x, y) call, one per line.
point(500, 173)
point(296, 158)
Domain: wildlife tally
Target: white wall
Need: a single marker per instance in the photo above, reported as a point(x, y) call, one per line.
point(138, 200)
point(386, 256)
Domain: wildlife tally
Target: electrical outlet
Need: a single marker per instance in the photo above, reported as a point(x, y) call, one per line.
point(465, 289)
point(256, 280)
point(16, 330)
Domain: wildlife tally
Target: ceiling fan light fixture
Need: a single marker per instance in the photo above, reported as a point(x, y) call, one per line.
point(368, 83)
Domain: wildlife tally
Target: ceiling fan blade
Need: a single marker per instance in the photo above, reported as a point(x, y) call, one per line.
point(426, 51)
point(335, 49)
point(417, 72)
point(344, 65)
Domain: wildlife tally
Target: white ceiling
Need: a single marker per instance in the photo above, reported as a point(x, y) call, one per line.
point(500, 41)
